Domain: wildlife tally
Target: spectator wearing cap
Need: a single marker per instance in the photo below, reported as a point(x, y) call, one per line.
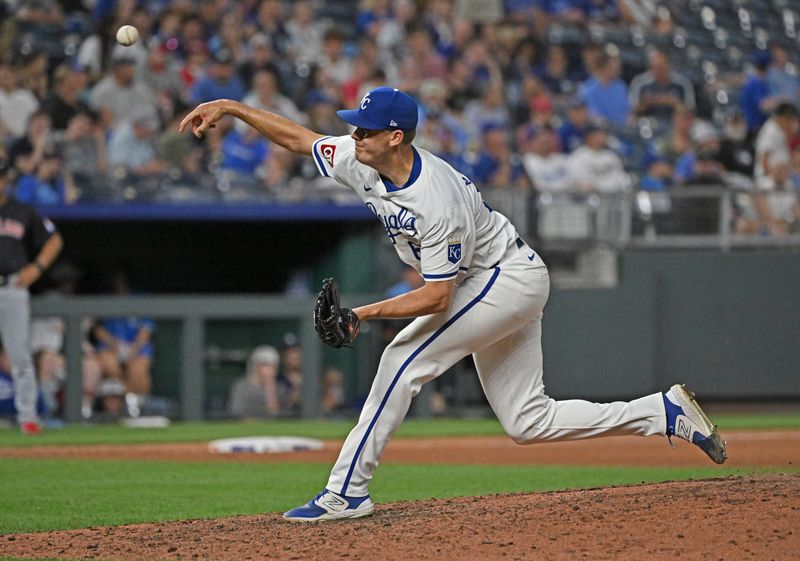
point(573, 129)
point(660, 89)
point(497, 165)
point(542, 110)
point(776, 200)
point(321, 111)
point(594, 167)
point(255, 395)
point(49, 185)
point(755, 98)
point(133, 147)
point(606, 95)
point(553, 72)
point(119, 92)
point(705, 148)
point(64, 102)
point(195, 64)
point(16, 105)
point(221, 82)
point(658, 174)
point(544, 165)
point(161, 73)
point(261, 56)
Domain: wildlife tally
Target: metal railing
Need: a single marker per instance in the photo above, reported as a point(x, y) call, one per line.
point(687, 217)
point(193, 312)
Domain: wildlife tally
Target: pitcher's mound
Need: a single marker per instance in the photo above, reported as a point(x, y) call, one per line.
point(736, 518)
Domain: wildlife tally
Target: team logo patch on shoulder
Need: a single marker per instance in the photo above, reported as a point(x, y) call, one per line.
point(453, 251)
point(327, 151)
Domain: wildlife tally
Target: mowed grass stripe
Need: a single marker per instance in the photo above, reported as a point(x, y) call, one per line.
point(50, 494)
point(413, 428)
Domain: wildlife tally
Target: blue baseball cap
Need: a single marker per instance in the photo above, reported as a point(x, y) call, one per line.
point(383, 108)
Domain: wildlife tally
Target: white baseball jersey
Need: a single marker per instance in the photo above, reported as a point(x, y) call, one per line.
point(440, 226)
point(437, 222)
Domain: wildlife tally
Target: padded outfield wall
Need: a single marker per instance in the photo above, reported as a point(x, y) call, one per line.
point(727, 323)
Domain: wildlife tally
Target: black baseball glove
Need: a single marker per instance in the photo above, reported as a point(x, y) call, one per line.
point(336, 326)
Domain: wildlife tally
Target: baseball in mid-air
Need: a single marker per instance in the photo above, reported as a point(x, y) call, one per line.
point(127, 35)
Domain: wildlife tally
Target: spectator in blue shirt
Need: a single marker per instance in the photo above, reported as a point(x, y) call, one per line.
point(48, 185)
point(222, 82)
point(782, 82)
point(125, 349)
point(497, 165)
point(755, 97)
point(573, 129)
point(606, 95)
point(243, 152)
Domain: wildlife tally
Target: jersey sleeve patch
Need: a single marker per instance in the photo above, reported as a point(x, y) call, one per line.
point(324, 151)
point(454, 251)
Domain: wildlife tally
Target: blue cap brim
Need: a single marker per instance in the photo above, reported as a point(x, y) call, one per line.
point(357, 119)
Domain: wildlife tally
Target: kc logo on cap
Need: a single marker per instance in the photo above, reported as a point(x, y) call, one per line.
point(383, 108)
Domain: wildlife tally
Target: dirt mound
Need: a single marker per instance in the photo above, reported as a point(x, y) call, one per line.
point(734, 518)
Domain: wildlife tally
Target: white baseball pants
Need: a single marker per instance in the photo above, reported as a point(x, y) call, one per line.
point(495, 316)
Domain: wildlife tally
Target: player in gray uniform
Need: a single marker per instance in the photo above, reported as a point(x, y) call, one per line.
point(484, 293)
point(28, 246)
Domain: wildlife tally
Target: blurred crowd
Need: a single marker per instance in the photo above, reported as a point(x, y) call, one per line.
point(543, 95)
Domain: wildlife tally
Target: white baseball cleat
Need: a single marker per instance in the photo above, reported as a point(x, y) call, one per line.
point(686, 420)
point(331, 506)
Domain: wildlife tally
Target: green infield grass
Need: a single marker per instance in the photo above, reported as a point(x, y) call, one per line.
point(49, 494)
point(59, 494)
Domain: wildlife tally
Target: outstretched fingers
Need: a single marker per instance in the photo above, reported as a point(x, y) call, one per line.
point(199, 120)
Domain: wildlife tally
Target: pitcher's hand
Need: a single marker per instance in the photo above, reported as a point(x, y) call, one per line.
point(203, 117)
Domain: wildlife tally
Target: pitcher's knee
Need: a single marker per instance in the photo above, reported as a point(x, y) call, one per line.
point(529, 425)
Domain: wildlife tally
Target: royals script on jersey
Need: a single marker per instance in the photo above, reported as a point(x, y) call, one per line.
point(437, 221)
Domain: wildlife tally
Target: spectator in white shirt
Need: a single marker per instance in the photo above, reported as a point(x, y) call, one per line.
point(594, 167)
point(545, 165)
point(775, 199)
point(16, 104)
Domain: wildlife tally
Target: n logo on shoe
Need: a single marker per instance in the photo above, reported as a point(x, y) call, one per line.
point(332, 503)
point(684, 429)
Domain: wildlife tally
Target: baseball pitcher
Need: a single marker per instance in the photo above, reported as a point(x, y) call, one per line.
point(484, 293)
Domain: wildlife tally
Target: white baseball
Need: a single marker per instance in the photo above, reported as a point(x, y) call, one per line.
point(127, 35)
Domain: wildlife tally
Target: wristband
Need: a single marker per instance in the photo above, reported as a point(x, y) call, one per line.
point(39, 266)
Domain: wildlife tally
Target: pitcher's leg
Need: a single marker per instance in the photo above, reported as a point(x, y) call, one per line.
point(404, 367)
point(511, 375)
point(421, 352)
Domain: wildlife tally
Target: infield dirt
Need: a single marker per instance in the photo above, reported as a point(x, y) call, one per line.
point(730, 519)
